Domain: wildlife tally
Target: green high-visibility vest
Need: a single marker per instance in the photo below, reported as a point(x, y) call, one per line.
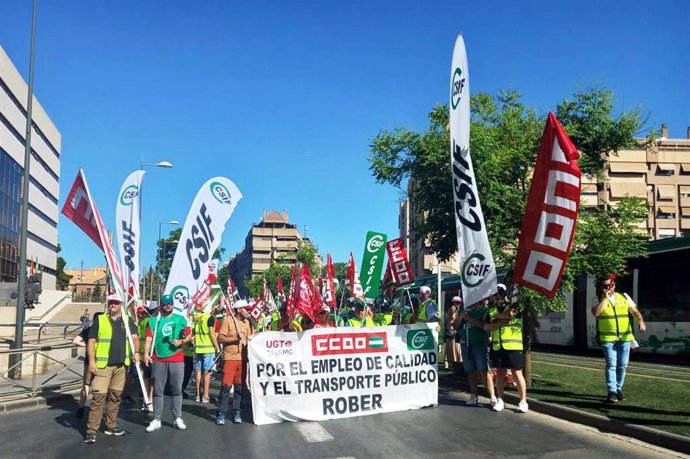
point(354, 322)
point(422, 317)
point(202, 334)
point(508, 337)
point(105, 335)
point(613, 323)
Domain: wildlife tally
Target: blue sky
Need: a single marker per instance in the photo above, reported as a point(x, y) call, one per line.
point(283, 97)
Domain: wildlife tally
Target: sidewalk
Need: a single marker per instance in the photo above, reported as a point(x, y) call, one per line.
point(656, 437)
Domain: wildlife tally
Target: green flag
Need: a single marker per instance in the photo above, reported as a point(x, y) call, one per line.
point(372, 263)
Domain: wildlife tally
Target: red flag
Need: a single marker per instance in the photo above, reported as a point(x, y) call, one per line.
point(293, 290)
point(551, 214)
point(353, 276)
point(279, 286)
point(212, 277)
point(267, 297)
point(232, 290)
point(398, 262)
point(309, 302)
point(388, 280)
point(80, 208)
point(255, 310)
point(328, 285)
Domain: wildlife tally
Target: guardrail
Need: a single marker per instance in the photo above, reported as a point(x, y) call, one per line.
point(66, 297)
point(60, 376)
point(69, 329)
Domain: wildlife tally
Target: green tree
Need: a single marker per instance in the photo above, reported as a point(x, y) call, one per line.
point(62, 278)
point(504, 141)
point(167, 247)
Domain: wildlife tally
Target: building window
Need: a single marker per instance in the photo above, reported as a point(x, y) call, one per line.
point(667, 233)
point(10, 183)
point(666, 212)
point(665, 169)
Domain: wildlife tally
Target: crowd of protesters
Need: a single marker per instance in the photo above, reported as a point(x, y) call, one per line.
point(483, 340)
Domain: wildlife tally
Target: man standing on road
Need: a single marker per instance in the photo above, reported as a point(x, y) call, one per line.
point(474, 348)
point(109, 355)
point(205, 348)
point(165, 335)
point(505, 326)
point(233, 335)
point(614, 331)
point(428, 310)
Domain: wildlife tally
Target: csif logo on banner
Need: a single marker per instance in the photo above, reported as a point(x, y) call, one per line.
point(180, 295)
point(129, 245)
point(418, 340)
point(128, 195)
point(456, 88)
point(375, 243)
point(349, 343)
point(197, 246)
point(221, 193)
point(474, 270)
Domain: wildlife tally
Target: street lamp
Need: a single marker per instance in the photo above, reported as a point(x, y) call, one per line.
point(161, 251)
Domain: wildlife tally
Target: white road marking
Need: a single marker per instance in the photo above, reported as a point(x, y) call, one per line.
point(313, 432)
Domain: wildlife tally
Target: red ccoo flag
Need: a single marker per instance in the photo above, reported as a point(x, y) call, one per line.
point(309, 302)
point(553, 203)
point(353, 276)
point(293, 292)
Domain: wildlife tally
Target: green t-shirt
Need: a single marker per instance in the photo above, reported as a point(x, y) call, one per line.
point(468, 333)
point(165, 330)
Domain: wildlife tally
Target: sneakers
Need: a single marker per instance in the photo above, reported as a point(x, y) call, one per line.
point(472, 401)
point(117, 431)
point(205, 400)
point(611, 398)
point(197, 399)
point(236, 418)
point(493, 401)
point(498, 406)
point(90, 438)
point(220, 420)
point(523, 407)
point(619, 396)
point(179, 424)
point(154, 425)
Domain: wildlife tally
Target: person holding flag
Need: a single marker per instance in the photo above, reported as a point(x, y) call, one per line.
point(165, 335)
point(205, 348)
point(109, 356)
point(234, 335)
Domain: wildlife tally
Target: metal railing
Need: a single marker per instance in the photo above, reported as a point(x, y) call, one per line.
point(69, 329)
point(59, 377)
point(60, 302)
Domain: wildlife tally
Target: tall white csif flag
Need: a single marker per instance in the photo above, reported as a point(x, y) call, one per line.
point(477, 269)
point(128, 230)
point(201, 235)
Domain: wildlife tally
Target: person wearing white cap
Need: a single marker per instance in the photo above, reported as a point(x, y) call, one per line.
point(428, 310)
point(324, 319)
point(234, 335)
point(109, 355)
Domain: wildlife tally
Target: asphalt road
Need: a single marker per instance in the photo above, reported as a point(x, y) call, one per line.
point(450, 430)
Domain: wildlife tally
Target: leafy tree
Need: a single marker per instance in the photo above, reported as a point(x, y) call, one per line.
point(166, 249)
point(62, 278)
point(504, 142)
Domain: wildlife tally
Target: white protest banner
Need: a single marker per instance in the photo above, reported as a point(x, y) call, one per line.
point(477, 268)
point(333, 373)
point(127, 229)
point(201, 235)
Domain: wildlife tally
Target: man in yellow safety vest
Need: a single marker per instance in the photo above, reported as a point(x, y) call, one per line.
point(615, 334)
point(109, 352)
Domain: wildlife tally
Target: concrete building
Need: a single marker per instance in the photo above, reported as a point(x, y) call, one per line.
point(88, 284)
point(422, 260)
point(272, 239)
point(44, 187)
point(658, 171)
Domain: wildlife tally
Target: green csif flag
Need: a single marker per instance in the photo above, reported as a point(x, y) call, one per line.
point(372, 263)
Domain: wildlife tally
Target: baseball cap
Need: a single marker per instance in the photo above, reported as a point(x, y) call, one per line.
point(240, 304)
point(166, 300)
point(457, 299)
point(152, 305)
point(114, 298)
point(501, 287)
point(424, 289)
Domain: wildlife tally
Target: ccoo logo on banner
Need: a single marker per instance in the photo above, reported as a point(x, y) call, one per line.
point(331, 373)
point(553, 203)
point(400, 266)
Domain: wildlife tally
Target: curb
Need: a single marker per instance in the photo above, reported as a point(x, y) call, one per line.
point(24, 404)
point(646, 434)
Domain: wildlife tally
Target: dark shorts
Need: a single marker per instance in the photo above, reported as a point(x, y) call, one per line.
point(514, 360)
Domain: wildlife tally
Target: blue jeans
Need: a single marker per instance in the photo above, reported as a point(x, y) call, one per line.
point(617, 355)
